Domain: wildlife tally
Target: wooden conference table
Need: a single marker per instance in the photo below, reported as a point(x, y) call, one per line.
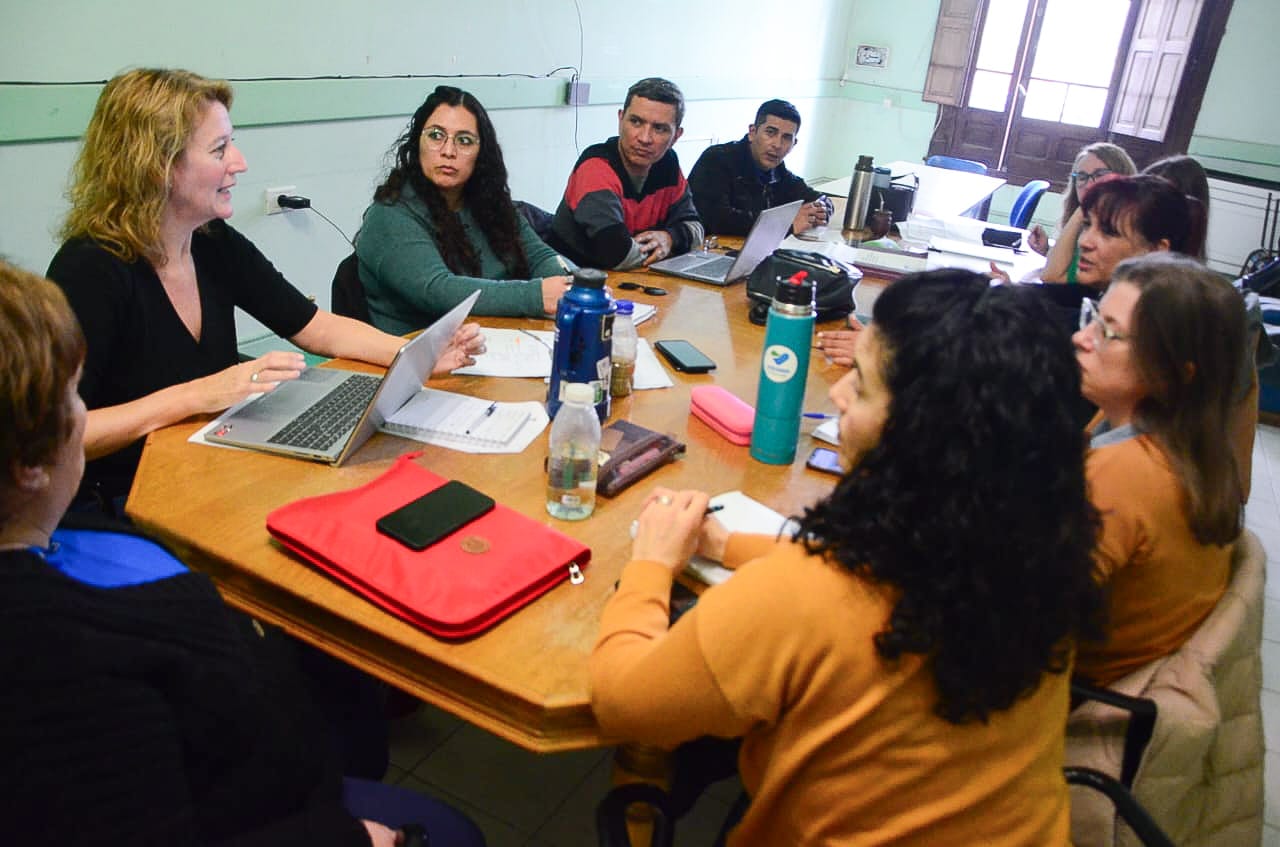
point(526, 679)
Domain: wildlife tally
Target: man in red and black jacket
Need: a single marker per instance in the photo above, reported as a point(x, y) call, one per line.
point(627, 202)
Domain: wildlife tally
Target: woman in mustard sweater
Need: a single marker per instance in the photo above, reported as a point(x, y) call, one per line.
point(897, 669)
point(1160, 356)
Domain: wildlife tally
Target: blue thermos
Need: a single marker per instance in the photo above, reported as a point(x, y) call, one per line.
point(583, 350)
point(784, 370)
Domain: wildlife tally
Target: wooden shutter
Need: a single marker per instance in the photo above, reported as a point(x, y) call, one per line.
point(953, 45)
point(1154, 67)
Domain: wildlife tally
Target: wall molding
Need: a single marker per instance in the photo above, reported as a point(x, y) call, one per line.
point(60, 111)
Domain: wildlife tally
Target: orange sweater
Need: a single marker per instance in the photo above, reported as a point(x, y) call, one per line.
point(839, 746)
point(1162, 583)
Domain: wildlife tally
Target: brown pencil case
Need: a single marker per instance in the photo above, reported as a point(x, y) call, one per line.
point(634, 452)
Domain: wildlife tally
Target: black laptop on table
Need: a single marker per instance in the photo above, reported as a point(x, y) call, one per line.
point(326, 414)
point(766, 234)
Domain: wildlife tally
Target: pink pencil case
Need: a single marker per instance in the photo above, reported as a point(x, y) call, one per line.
point(724, 412)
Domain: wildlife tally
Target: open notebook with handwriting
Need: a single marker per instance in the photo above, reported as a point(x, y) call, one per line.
point(451, 417)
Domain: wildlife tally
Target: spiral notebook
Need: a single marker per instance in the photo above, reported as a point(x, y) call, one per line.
point(457, 417)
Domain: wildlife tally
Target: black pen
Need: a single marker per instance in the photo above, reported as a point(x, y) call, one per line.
point(635, 525)
point(493, 407)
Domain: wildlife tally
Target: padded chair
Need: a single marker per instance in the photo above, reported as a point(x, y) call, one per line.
point(611, 814)
point(539, 219)
point(1025, 204)
point(347, 295)
point(951, 163)
point(1184, 733)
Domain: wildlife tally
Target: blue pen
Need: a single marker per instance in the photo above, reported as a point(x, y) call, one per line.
point(819, 416)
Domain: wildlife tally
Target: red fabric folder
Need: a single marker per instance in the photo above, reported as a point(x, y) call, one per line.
point(457, 587)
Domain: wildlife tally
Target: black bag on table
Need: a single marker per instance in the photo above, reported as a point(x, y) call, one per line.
point(834, 282)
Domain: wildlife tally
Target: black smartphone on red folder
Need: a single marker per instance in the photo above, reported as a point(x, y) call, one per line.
point(424, 521)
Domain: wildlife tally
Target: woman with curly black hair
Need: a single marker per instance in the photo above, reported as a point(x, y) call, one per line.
point(442, 225)
point(898, 669)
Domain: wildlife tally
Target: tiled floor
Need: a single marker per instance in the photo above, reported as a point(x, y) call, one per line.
point(520, 798)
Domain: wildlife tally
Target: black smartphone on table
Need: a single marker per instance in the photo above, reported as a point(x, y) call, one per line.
point(424, 521)
point(825, 460)
point(684, 357)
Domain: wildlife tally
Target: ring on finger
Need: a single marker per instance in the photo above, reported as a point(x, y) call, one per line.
point(664, 500)
point(254, 378)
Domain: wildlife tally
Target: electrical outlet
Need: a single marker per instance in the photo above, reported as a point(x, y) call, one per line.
point(269, 204)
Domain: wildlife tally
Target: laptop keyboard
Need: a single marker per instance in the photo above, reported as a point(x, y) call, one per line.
point(716, 268)
point(331, 417)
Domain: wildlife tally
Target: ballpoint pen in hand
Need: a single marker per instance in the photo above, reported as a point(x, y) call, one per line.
point(635, 525)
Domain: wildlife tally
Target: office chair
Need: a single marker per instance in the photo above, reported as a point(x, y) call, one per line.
point(539, 219)
point(951, 163)
point(347, 294)
point(1184, 733)
point(611, 813)
point(1025, 204)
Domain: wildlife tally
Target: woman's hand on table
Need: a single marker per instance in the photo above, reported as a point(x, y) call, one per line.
point(1038, 240)
point(668, 529)
point(999, 275)
point(229, 386)
point(466, 344)
point(713, 537)
point(837, 345)
point(553, 288)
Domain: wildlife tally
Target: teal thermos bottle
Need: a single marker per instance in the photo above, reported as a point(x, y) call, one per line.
point(784, 370)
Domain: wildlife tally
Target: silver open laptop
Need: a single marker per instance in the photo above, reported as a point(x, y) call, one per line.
point(765, 236)
point(326, 414)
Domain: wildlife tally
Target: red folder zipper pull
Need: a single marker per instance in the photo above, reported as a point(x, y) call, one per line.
point(575, 574)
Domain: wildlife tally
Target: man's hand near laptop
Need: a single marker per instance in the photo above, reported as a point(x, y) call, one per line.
point(655, 244)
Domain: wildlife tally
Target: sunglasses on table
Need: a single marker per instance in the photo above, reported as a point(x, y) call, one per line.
point(651, 290)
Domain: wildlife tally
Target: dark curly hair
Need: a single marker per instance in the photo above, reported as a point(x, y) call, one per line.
point(486, 193)
point(973, 504)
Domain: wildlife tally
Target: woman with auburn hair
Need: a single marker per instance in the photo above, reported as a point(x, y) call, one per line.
point(154, 273)
point(442, 225)
point(138, 708)
point(1159, 357)
point(1094, 163)
point(868, 699)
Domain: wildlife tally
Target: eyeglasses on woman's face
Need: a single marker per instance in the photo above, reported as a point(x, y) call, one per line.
point(1091, 319)
point(435, 138)
point(1084, 178)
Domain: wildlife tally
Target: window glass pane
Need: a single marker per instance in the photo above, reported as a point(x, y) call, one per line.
point(1084, 105)
point(1079, 40)
point(1001, 34)
point(1044, 100)
point(989, 91)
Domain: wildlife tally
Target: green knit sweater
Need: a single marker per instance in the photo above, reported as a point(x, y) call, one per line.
point(409, 286)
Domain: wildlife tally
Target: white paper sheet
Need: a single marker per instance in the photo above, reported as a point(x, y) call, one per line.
point(740, 514)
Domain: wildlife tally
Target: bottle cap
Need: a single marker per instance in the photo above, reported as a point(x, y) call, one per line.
point(797, 291)
point(864, 163)
point(589, 278)
point(625, 307)
point(579, 392)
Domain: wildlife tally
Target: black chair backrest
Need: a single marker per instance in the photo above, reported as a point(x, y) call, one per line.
point(347, 295)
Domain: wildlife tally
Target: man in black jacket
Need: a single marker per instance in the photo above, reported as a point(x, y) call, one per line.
point(733, 183)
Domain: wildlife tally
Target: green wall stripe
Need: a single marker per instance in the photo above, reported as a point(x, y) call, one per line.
point(61, 111)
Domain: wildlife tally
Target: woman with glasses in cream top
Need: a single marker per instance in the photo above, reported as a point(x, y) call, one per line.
point(1093, 163)
point(1159, 356)
point(443, 225)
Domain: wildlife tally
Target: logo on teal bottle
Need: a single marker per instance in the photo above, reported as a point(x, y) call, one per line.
point(780, 362)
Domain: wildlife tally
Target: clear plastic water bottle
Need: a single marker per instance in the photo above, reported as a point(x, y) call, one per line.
point(572, 463)
point(625, 342)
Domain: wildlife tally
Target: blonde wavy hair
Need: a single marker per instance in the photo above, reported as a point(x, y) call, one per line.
point(120, 182)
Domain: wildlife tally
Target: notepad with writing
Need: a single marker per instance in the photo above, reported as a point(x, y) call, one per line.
point(739, 513)
point(457, 417)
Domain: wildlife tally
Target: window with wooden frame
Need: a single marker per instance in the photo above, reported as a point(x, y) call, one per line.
point(1024, 84)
